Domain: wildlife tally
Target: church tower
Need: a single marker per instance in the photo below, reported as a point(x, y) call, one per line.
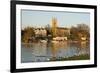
point(54, 26)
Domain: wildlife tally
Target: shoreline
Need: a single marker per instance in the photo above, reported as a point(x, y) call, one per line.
point(80, 57)
point(70, 41)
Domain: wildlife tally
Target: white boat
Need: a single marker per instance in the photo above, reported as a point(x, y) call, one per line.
point(43, 41)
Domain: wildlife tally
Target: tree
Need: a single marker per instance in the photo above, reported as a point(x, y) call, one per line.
point(81, 30)
point(84, 30)
point(48, 29)
point(27, 33)
point(74, 33)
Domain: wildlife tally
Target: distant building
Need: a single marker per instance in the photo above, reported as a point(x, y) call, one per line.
point(62, 32)
point(40, 32)
point(55, 31)
point(59, 31)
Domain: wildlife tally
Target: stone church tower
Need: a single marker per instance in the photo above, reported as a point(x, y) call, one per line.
point(54, 26)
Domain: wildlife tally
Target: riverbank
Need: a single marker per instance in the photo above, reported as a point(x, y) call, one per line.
point(42, 41)
point(81, 57)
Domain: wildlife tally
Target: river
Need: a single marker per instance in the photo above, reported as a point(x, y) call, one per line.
point(45, 52)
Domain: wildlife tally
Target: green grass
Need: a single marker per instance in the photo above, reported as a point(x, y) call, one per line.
point(81, 57)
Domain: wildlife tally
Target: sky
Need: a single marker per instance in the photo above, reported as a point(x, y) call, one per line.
point(36, 18)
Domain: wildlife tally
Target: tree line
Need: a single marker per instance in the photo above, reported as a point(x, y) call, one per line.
point(76, 32)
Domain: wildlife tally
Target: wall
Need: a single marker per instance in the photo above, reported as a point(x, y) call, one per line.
point(5, 36)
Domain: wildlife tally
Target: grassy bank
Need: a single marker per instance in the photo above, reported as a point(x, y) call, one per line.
point(81, 57)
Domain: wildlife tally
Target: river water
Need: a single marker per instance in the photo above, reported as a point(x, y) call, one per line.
point(43, 52)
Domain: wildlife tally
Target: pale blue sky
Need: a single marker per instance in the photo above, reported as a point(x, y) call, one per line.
point(42, 18)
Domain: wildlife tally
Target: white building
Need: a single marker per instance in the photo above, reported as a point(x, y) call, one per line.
point(40, 32)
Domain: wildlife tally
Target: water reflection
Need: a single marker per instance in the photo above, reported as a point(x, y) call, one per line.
point(43, 52)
